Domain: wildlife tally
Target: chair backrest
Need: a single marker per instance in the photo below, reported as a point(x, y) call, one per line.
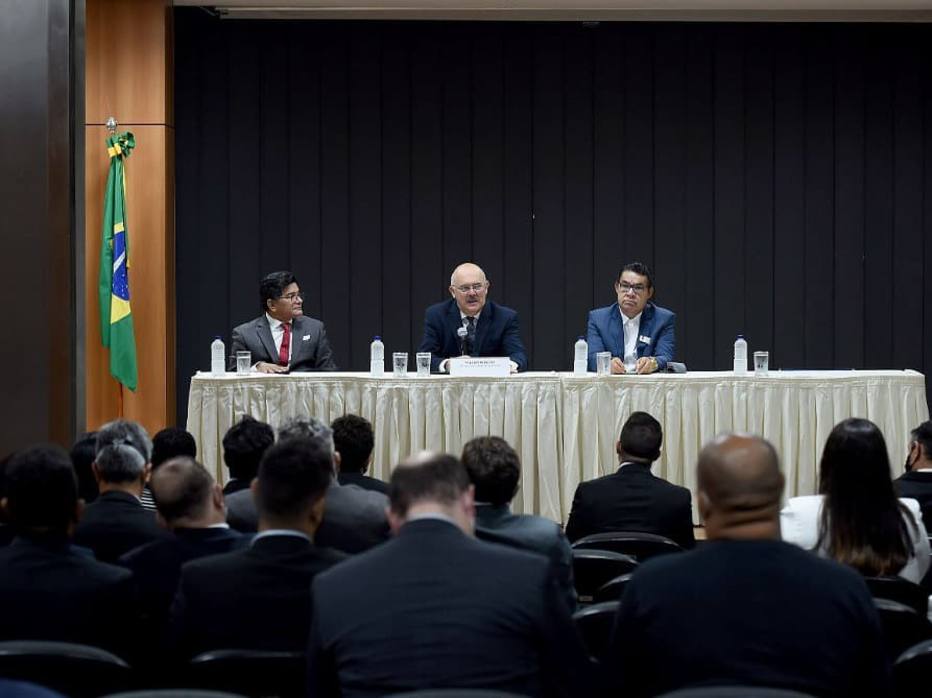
point(593, 568)
point(595, 623)
point(250, 672)
point(640, 546)
point(734, 692)
point(453, 693)
point(612, 589)
point(73, 669)
point(900, 590)
point(912, 670)
point(902, 627)
point(175, 693)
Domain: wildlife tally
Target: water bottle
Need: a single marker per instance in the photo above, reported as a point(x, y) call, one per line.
point(218, 357)
point(581, 357)
point(377, 357)
point(741, 356)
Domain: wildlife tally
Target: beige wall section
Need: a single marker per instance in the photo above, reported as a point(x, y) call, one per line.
point(128, 76)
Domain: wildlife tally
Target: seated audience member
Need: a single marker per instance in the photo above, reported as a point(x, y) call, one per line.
point(82, 458)
point(857, 519)
point(191, 505)
point(494, 470)
point(48, 591)
point(354, 440)
point(916, 482)
point(169, 443)
point(633, 499)
point(259, 597)
point(243, 446)
point(354, 519)
point(6, 530)
point(436, 608)
point(117, 522)
point(746, 608)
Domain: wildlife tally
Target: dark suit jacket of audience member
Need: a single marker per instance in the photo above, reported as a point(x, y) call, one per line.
point(497, 524)
point(760, 612)
point(436, 608)
point(632, 499)
point(254, 598)
point(50, 592)
point(364, 481)
point(114, 524)
point(917, 485)
point(235, 485)
point(354, 518)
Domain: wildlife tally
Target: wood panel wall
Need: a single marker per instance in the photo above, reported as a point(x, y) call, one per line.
point(129, 76)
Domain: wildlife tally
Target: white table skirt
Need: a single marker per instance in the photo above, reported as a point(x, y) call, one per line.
point(565, 427)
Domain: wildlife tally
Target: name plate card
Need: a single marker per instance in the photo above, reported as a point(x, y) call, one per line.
point(480, 366)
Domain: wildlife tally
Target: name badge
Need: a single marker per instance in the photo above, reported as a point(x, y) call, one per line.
point(645, 339)
point(305, 338)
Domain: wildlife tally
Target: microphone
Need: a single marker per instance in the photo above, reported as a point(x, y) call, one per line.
point(462, 333)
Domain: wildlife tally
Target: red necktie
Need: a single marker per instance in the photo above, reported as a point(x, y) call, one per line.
point(286, 344)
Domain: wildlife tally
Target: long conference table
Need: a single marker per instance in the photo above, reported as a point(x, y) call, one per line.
point(565, 427)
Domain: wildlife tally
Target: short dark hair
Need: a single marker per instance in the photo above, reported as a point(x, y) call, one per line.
point(923, 436)
point(181, 488)
point(82, 458)
point(172, 442)
point(273, 286)
point(123, 450)
point(243, 446)
point(310, 429)
point(641, 437)
point(41, 489)
point(438, 478)
point(293, 475)
point(640, 269)
point(354, 440)
point(493, 467)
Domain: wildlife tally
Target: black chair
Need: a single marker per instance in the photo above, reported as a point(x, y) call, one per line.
point(900, 590)
point(640, 546)
point(175, 693)
point(453, 693)
point(595, 623)
point(735, 692)
point(612, 589)
point(902, 627)
point(593, 568)
point(79, 671)
point(250, 672)
point(912, 670)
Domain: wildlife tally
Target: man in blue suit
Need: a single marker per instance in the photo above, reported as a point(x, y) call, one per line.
point(469, 325)
point(633, 326)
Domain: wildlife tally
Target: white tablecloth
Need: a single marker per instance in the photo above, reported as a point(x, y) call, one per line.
point(565, 427)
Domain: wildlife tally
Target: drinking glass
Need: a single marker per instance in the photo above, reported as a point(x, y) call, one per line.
point(400, 364)
point(631, 363)
point(423, 363)
point(603, 363)
point(761, 362)
point(243, 362)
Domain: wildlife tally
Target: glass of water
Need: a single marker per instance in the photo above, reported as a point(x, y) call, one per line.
point(243, 361)
point(603, 363)
point(631, 363)
point(761, 362)
point(400, 364)
point(423, 363)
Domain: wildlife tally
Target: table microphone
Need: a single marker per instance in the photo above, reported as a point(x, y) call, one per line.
point(463, 334)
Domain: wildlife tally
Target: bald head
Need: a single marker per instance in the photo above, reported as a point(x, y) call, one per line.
point(469, 288)
point(185, 494)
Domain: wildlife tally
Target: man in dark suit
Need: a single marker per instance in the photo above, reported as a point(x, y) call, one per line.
point(49, 591)
point(634, 326)
point(354, 439)
point(243, 446)
point(633, 499)
point(259, 597)
point(494, 470)
point(916, 482)
point(283, 339)
point(436, 608)
point(469, 325)
point(746, 608)
point(117, 522)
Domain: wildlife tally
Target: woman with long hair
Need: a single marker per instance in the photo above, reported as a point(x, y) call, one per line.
point(856, 518)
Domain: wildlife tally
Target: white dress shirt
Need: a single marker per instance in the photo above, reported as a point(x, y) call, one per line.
point(631, 326)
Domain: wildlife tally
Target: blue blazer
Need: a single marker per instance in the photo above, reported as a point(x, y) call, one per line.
point(605, 333)
point(497, 333)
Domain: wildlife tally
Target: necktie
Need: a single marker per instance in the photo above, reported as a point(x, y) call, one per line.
point(286, 345)
point(471, 333)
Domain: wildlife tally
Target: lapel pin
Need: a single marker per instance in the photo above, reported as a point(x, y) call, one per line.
point(645, 339)
point(305, 338)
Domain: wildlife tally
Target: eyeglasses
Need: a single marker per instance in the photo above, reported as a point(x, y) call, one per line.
point(627, 288)
point(292, 297)
point(466, 288)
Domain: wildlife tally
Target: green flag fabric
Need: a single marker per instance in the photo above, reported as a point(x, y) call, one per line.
point(116, 318)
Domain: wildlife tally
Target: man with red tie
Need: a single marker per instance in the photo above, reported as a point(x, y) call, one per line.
point(283, 339)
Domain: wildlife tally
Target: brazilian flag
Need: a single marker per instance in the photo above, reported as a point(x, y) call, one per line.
point(116, 318)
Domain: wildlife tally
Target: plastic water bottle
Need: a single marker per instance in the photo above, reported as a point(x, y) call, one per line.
point(741, 356)
point(377, 357)
point(581, 357)
point(218, 357)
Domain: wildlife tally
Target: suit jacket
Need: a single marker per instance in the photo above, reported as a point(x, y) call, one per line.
point(354, 518)
point(632, 499)
point(917, 485)
point(605, 332)
point(310, 349)
point(364, 481)
point(255, 598)
point(434, 608)
point(759, 612)
point(497, 333)
point(114, 524)
point(50, 592)
point(496, 524)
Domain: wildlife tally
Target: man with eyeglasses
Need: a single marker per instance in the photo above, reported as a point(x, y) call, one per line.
point(283, 339)
point(470, 325)
point(633, 327)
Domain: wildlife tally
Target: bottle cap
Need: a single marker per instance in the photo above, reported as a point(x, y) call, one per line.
point(740, 336)
point(217, 336)
point(377, 337)
point(581, 337)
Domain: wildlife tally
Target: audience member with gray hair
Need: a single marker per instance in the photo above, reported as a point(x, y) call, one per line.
point(117, 522)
